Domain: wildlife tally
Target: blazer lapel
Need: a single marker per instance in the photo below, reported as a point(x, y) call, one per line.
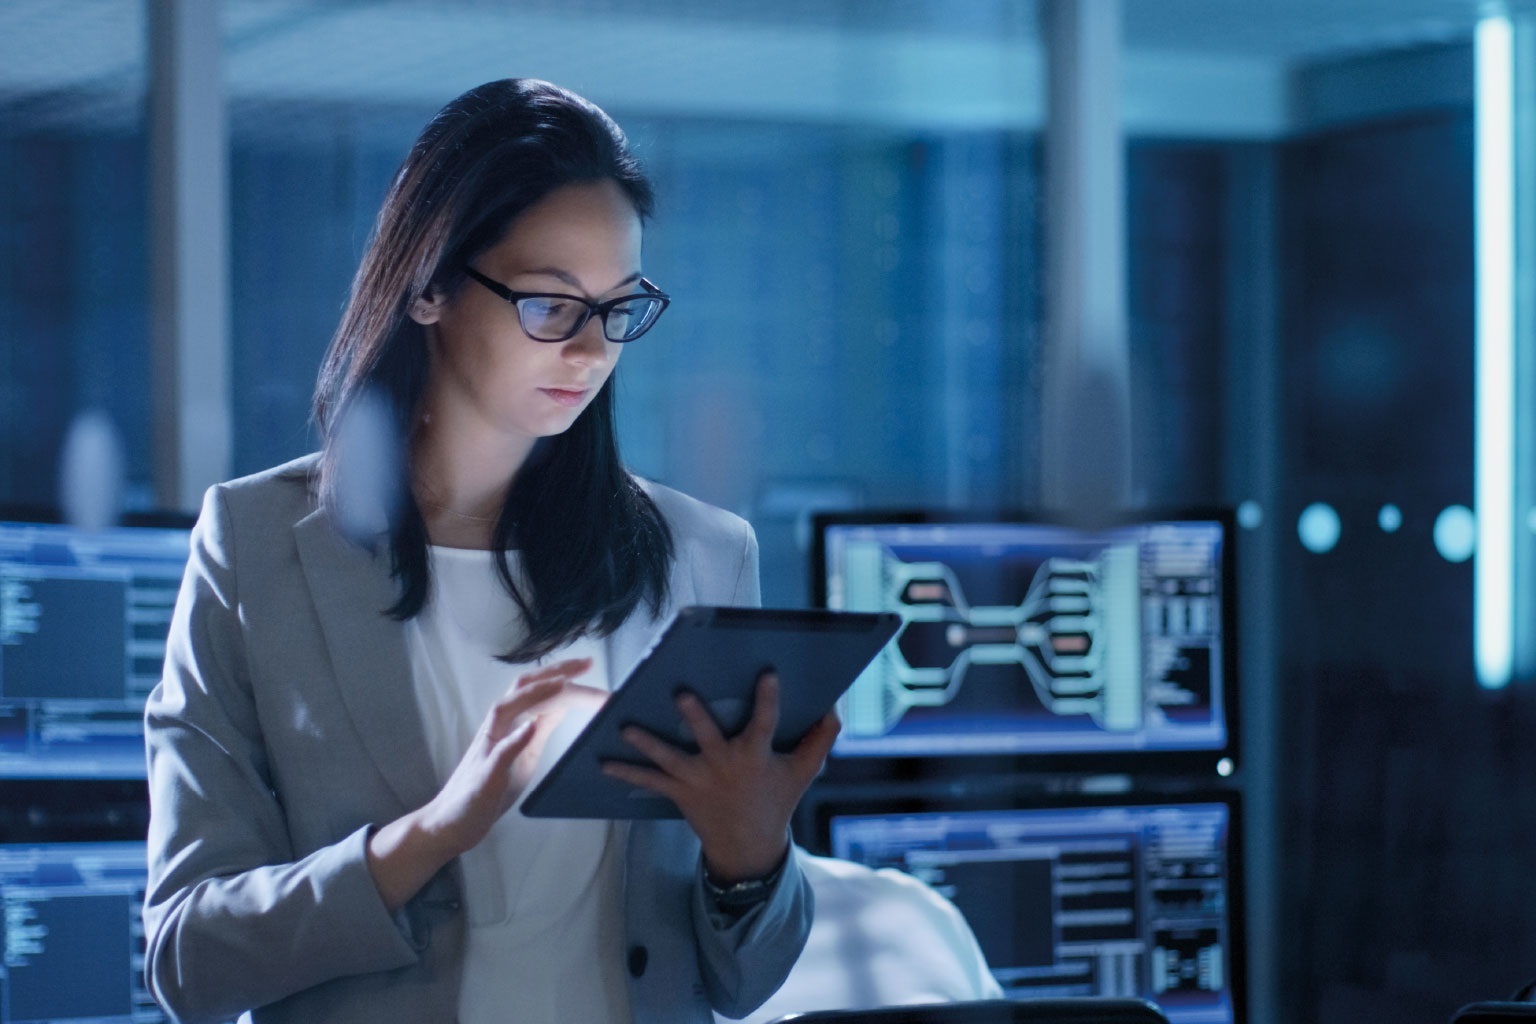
point(629, 643)
point(351, 588)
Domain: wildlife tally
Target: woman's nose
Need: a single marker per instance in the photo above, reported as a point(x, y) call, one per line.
point(588, 345)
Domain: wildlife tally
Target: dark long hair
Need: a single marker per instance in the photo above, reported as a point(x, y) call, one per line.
point(594, 546)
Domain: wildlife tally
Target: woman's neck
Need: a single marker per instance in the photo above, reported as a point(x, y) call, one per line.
point(460, 480)
point(449, 528)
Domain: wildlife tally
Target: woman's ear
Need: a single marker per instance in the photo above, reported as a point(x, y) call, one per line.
point(428, 308)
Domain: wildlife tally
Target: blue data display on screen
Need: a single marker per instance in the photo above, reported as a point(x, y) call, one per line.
point(74, 947)
point(83, 621)
point(1126, 901)
point(1035, 639)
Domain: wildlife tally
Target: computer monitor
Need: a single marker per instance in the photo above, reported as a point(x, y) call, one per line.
point(1110, 645)
point(73, 938)
point(83, 622)
point(1110, 896)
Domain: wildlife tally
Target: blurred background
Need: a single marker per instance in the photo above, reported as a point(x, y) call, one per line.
point(878, 220)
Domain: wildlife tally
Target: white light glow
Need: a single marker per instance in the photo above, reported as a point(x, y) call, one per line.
point(1319, 528)
point(1456, 533)
point(1493, 572)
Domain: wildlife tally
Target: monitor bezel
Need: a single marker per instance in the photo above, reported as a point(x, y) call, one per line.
point(1216, 764)
point(50, 515)
point(77, 809)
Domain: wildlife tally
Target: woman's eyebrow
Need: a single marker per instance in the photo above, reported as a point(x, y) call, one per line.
point(570, 278)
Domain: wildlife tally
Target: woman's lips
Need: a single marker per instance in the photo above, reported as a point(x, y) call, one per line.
point(565, 396)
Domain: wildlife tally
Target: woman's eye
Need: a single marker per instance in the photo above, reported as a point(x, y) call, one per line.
point(546, 307)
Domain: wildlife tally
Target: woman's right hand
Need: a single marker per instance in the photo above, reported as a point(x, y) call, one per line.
point(487, 782)
point(405, 854)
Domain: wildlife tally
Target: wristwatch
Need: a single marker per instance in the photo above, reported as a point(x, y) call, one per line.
point(739, 897)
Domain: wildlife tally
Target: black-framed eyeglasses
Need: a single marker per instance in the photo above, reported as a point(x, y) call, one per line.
point(551, 316)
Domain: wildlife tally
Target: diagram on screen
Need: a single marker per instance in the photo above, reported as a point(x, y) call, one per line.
point(1104, 644)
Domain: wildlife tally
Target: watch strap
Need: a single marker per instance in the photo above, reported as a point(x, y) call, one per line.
point(739, 897)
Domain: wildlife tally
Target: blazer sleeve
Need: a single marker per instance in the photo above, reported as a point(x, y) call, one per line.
point(744, 959)
point(233, 920)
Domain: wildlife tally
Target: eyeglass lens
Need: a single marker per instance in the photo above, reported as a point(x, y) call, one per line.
point(553, 318)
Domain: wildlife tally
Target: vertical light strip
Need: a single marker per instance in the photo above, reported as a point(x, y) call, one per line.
point(1493, 571)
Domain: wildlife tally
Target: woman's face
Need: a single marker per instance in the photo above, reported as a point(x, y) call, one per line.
point(486, 373)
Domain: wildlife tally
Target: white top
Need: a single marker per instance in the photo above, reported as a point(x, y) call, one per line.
point(543, 896)
point(879, 938)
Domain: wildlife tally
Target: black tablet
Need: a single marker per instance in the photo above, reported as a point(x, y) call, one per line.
point(718, 654)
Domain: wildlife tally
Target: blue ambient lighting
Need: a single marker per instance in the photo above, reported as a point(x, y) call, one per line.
point(1456, 533)
point(1319, 528)
point(1250, 515)
point(1390, 519)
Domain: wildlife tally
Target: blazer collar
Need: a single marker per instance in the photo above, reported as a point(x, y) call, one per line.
point(352, 588)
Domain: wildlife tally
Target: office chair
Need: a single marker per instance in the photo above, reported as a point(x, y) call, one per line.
point(1088, 1010)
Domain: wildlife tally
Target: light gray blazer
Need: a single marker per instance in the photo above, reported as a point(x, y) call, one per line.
point(286, 726)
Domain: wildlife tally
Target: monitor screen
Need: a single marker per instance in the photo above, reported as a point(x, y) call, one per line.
point(74, 944)
point(1103, 897)
point(83, 622)
point(1031, 638)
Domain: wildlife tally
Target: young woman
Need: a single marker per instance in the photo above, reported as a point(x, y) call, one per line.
point(349, 714)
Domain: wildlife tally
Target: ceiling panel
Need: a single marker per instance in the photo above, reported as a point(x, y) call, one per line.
point(858, 59)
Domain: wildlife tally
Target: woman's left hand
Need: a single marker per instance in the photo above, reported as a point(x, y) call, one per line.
point(737, 793)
